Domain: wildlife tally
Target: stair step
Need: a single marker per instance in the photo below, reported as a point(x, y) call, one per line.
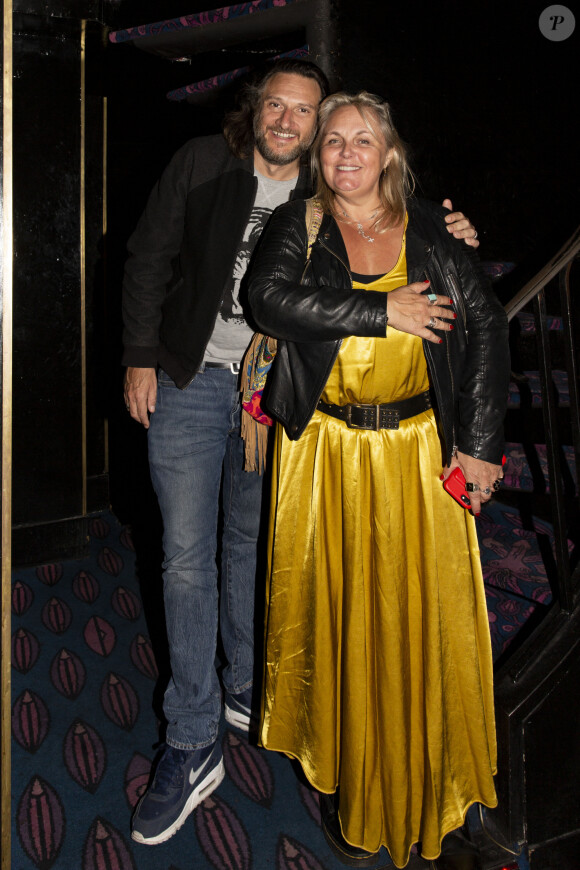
point(507, 615)
point(516, 583)
point(517, 472)
point(496, 269)
point(520, 389)
point(528, 324)
point(511, 556)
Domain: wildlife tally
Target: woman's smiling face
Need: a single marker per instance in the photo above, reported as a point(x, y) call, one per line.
point(352, 154)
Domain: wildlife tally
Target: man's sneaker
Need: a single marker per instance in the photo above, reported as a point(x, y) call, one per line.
point(184, 777)
point(238, 711)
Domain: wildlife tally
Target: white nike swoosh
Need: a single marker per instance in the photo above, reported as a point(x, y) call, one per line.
point(193, 774)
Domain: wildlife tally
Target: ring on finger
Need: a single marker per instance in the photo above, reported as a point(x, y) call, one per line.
point(432, 297)
point(486, 491)
point(472, 487)
point(432, 323)
point(496, 484)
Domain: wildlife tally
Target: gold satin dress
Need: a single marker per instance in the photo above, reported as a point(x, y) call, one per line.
point(378, 668)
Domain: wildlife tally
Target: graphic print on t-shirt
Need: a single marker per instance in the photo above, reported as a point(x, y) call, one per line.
point(232, 333)
point(231, 309)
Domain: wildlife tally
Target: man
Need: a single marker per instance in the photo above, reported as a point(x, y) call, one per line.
point(185, 335)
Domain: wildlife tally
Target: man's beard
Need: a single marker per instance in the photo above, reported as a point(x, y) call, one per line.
point(275, 157)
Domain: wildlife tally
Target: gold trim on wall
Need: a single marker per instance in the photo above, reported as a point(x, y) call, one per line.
point(83, 266)
point(105, 270)
point(6, 275)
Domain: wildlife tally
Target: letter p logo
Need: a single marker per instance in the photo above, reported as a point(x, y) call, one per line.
point(557, 23)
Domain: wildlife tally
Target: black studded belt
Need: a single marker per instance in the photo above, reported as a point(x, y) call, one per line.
point(376, 417)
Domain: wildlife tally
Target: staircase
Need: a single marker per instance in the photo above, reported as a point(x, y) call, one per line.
point(530, 544)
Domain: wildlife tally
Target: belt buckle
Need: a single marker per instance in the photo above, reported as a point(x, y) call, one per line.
point(365, 410)
point(390, 417)
point(235, 368)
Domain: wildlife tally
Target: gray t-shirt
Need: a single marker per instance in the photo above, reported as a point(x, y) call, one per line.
point(231, 334)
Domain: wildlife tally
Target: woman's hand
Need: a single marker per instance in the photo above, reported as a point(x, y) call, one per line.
point(480, 474)
point(409, 309)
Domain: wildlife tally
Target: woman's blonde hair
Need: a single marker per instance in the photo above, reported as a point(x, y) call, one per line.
point(396, 183)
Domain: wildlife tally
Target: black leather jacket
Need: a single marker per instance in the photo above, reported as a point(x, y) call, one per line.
point(469, 370)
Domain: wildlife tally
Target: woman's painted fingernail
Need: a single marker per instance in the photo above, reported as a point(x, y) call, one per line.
point(451, 327)
point(451, 302)
point(454, 315)
point(426, 282)
point(440, 341)
point(442, 477)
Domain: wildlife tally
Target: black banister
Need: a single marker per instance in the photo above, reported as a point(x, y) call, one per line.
point(560, 266)
point(565, 255)
point(563, 590)
point(571, 359)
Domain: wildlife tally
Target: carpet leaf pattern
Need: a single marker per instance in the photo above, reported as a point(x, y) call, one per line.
point(41, 823)
point(85, 755)
point(85, 730)
point(222, 835)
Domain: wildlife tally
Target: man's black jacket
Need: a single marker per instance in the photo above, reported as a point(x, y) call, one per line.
point(182, 255)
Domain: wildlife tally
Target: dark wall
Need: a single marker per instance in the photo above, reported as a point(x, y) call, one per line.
point(58, 462)
point(46, 291)
point(485, 101)
point(488, 105)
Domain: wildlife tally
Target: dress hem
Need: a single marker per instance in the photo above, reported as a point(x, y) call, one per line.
point(456, 824)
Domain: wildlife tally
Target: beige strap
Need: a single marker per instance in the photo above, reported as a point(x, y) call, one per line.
point(313, 217)
point(255, 434)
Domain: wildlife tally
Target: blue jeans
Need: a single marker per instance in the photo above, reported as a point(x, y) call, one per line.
point(196, 452)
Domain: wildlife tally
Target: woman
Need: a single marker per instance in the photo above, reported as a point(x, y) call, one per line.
point(378, 674)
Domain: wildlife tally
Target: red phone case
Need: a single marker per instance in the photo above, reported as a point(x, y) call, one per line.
point(455, 486)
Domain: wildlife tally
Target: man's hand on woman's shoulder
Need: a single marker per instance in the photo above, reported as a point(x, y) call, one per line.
point(460, 226)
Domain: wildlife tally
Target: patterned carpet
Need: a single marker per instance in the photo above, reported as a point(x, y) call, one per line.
point(85, 731)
